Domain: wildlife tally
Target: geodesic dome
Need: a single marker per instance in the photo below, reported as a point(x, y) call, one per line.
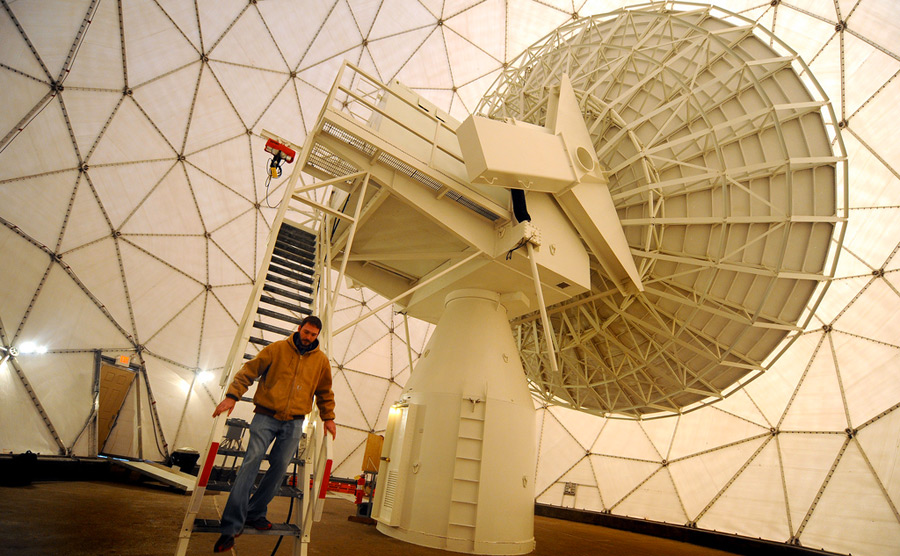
point(134, 213)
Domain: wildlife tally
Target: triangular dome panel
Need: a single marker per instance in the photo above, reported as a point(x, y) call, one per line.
point(168, 101)
point(557, 451)
point(773, 390)
point(157, 291)
point(44, 146)
point(88, 113)
point(57, 379)
point(221, 199)
point(151, 38)
point(250, 88)
point(391, 51)
point(171, 338)
point(52, 32)
point(80, 326)
point(700, 478)
point(428, 65)
point(118, 201)
point(213, 117)
point(284, 118)
point(699, 431)
point(480, 25)
point(584, 428)
point(171, 196)
point(853, 511)
point(45, 198)
point(216, 16)
point(334, 38)
point(817, 405)
point(97, 267)
point(656, 498)
point(660, 432)
point(185, 18)
point(262, 54)
point(530, 24)
point(806, 460)
point(295, 29)
point(467, 61)
point(879, 441)
point(185, 253)
point(375, 359)
point(16, 52)
point(866, 374)
point(348, 413)
point(25, 266)
point(30, 432)
point(874, 314)
point(21, 94)
point(753, 505)
point(99, 62)
point(370, 393)
point(238, 248)
point(625, 439)
point(392, 397)
point(130, 137)
point(170, 384)
point(740, 405)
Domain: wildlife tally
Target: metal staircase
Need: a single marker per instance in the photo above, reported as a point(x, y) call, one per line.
point(284, 292)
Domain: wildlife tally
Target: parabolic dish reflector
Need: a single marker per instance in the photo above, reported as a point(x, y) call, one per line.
point(728, 175)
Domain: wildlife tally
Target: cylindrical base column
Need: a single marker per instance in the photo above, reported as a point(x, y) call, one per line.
point(459, 456)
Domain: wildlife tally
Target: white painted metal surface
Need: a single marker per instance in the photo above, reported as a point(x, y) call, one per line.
point(459, 450)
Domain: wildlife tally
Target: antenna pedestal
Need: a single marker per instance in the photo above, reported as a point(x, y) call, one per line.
point(459, 455)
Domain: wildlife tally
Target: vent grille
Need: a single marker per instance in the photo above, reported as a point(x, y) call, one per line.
point(390, 490)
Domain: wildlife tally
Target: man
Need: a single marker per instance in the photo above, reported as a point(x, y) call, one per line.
point(290, 371)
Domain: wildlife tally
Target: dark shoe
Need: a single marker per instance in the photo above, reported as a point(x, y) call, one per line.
point(261, 524)
point(224, 543)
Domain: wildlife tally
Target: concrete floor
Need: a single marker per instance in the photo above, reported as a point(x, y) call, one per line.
point(104, 518)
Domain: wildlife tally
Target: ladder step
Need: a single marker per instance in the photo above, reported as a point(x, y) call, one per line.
point(289, 283)
point(292, 265)
point(285, 491)
point(279, 316)
point(292, 255)
point(271, 328)
point(278, 529)
point(269, 300)
point(301, 251)
point(295, 234)
point(235, 422)
point(275, 269)
point(249, 356)
point(285, 293)
point(259, 342)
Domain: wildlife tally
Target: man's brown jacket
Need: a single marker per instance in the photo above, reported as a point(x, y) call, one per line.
point(288, 381)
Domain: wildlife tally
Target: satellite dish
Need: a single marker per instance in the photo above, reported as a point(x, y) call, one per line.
point(725, 163)
point(682, 200)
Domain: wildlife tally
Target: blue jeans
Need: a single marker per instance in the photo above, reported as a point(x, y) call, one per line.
point(241, 507)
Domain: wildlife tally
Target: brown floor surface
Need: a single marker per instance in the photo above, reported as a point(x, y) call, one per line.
point(104, 518)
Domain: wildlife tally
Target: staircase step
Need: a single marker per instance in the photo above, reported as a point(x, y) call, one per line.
point(294, 256)
point(287, 263)
point(223, 486)
point(295, 248)
point(271, 328)
point(279, 316)
point(269, 300)
point(278, 529)
point(259, 341)
point(285, 293)
point(303, 278)
point(289, 283)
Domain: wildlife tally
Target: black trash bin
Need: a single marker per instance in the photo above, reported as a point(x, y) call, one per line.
point(185, 459)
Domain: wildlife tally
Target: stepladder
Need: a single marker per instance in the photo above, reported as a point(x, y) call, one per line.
point(305, 483)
